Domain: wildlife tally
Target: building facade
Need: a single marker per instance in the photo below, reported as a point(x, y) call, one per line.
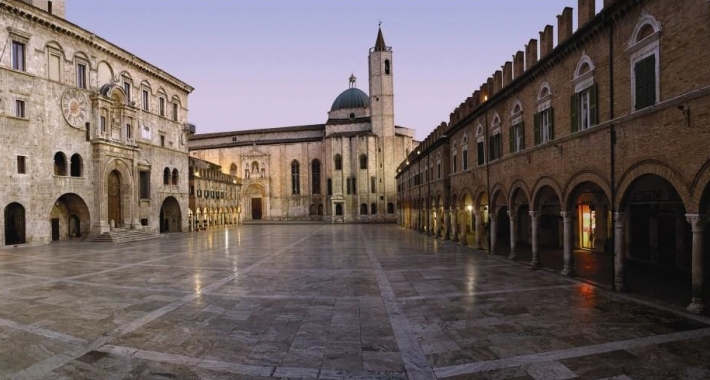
point(595, 145)
point(214, 196)
point(89, 131)
point(340, 171)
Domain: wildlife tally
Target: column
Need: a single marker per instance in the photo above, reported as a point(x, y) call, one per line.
point(454, 225)
point(447, 224)
point(493, 233)
point(479, 231)
point(697, 224)
point(513, 240)
point(535, 219)
point(619, 251)
point(568, 268)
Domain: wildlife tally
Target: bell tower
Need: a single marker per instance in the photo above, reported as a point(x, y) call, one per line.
point(381, 88)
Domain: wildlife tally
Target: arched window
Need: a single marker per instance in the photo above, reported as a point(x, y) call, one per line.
point(175, 176)
point(338, 162)
point(14, 224)
point(517, 128)
point(339, 209)
point(166, 176)
point(233, 170)
point(363, 161)
point(373, 209)
point(495, 142)
point(363, 209)
point(583, 104)
point(542, 121)
point(295, 178)
point(315, 177)
point(60, 164)
point(645, 63)
point(75, 166)
point(387, 67)
point(390, 208)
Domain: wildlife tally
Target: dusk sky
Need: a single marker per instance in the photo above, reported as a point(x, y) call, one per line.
point(264, 64)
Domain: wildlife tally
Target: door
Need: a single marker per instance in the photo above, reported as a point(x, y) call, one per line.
point(114, 199)
point(256, 208)
point(55, 229)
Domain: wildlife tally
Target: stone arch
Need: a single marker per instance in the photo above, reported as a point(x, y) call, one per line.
point(584, 60)
point(515, 188)
point(105, 73)
point(497, 193)
point(170, 215)
point(700, 183)
point(645, 20)
point(15, 224)
point(653, 167)
point(542, 183)
point(581, 177)
point(70, 217)
point(544, 90)
point(126, 179)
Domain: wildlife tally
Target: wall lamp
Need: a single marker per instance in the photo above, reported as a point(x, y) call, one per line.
point(559, 148)
point(686, 112)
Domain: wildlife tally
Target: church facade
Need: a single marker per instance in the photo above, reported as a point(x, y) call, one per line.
point(95, 138)
point(340, 171)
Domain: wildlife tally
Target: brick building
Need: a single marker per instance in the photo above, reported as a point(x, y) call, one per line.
point(593, 147)
point(88, 131)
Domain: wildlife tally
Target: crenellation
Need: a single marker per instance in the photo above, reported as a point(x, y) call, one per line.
point(586, 10)
point(507, 73)
point(546, 42)
point(519, 65)
point(564, 25)
point(530, 54)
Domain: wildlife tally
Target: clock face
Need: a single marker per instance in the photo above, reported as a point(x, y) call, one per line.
point(74, 107)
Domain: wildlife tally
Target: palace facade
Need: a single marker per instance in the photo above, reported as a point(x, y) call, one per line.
point(596, 147)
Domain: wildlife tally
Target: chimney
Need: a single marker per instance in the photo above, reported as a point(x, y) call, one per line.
point(530, 54)
point(507, 73)
point(564, 25)
point(497, 81)
point(491, 87)
point(546, 41)
point(586, 12)
point(476, 98)
point(519, 64)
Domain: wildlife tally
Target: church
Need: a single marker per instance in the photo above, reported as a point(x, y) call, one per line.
point(342, 171)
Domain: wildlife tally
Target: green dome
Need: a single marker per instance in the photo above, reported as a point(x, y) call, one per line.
point(351, 98)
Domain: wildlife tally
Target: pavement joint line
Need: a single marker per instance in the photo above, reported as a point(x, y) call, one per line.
point(41, 368)
point(438, 268)
point(552, 356)
point(487, 292)
point(42, 332)
point(413, 358)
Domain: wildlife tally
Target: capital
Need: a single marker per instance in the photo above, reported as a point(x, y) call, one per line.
point(619, 219)
point(534, 214)
point(697, 221)
point(566, 216)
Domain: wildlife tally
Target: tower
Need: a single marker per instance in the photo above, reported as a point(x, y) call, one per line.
point(381, 88)
point(55, 7)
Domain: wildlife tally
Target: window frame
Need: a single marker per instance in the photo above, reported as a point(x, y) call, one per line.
point(144, 186)
point(584, 108)
point(21, 164)
point(19, 63)
point(295, 178)
point(640, 50)
point(20, 109)
point(82, 77)
point(145, 99)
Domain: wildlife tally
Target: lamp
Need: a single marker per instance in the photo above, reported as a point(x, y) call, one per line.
point(686, 112)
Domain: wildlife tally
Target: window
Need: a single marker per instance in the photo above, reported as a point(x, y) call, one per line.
point(127, 90)
point(175, 112)
point(454, 160)
point(75, 165)
point(373, 185)
point(373, 209)
point(542, 120)
point(495, 146)
point(20, 109)
point(18, 56)
point(102, 120)
point(330, 186)
point(464, 156)
point(145, 100)
point(315, 177)
point(81, 75)
point(175, 177)
point(583, 104)
point(644, 60)
point(161, 106)
point(387, 67)
point(390, 208)
point(481, 152)
point(129, 129)
point(295, 178)
point(363, 209)
point(363, 161)
point(55, 64)
point(517, 138)
point(162, 140)
point(438, 169)
point(21, 164)
point(351, 185)
point(60, 164)
point(145, 185)
point(338, 162)
point(166, 176)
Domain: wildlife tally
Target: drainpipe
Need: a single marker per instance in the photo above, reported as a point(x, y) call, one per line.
point(612, 142)
point(488, 177)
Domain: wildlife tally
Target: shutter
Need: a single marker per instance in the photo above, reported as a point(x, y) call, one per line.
point(491, 153)
point(651, 80)
point(522, 135)
point(640, 75)
point(551, 121)
point(511, 140)
point(593, 111)
point(536, 129)
point(574, 121)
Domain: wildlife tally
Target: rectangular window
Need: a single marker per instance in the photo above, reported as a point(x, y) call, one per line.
point(21, 164)
point(175, 112)
point(517, 138)
point(145, 100)
point(330, 186)
point(145, 184)
point(162, 140)
point(81, 75)
point(54, 65)
point(454, 162)
point(161, 106)
point(20, 109)
point(102, 121)
point(438, 170)
point(129, 129)
point(495, 146)
point(481, 152)
point(127, 90)
point(373, 185)
point(584, 121)
point(18, 56)
point(645, 81)
point(464, 159)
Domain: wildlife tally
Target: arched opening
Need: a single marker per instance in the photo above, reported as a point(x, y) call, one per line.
point(315, 177)
point(76, 165)
point(175, 177)
point(69, 217)
point(170, 216)
point(338, 162)
point(521, 236)
point(14, 224)
point(233, 171)
point(339, 209)
point(390, 208)
point(363, 161)
point(166, 176)
point(113, 189)
point(590, 214)
point(363, 209)
point(657, 240)
point(60, 164)
point(255, 207)
point(387, 67)
point(373, 209)
point(549, 228)
point(320, 209)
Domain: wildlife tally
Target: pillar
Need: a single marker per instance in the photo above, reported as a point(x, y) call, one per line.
point(513, 240)
point(697, 224)
point(535, 219)
point(619, 251)
point(454, 225)
point(479, 232)
point(447, 225)
point(493, 233)
point(568, 268)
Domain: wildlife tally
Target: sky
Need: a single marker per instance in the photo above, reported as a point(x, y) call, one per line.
point(276, 63)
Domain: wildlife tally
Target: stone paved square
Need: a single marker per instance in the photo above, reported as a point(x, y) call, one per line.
point(323, 301)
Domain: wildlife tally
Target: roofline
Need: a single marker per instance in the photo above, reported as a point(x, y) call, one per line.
point(309, 127)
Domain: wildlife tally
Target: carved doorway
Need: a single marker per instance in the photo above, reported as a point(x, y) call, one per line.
point(114, 199)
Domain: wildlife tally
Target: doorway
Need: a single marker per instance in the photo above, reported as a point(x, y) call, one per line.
point(55, 229)
point(256, 208)
point(114, 199)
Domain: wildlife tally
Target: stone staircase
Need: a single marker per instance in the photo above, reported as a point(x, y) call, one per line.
point(124, 235)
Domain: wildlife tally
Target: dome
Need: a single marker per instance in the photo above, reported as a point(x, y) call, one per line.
point(351, 98)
